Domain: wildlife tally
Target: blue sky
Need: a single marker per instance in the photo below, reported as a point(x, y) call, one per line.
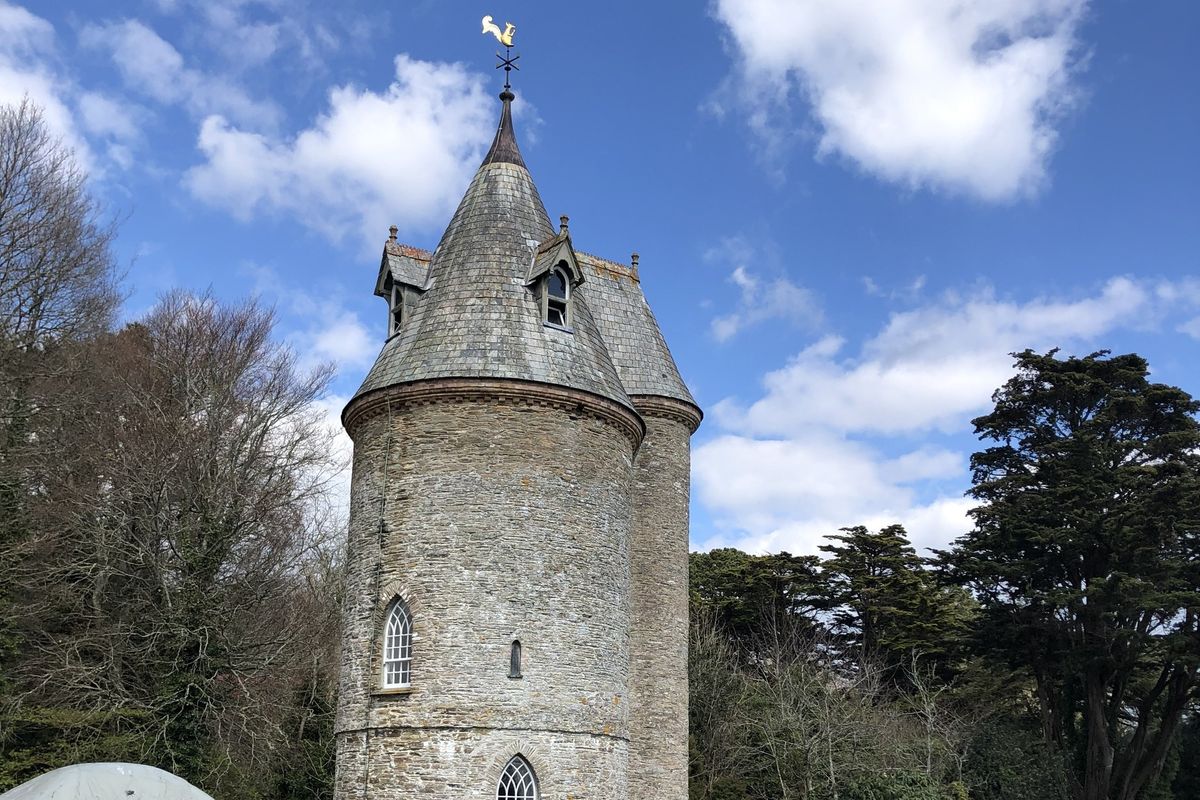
point(848, 212)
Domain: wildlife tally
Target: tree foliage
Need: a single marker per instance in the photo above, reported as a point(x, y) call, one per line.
point(1086, 557)
point(166, 581)
point(886, 605)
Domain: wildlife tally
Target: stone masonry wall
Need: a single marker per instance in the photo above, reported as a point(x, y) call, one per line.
point(501, 521)
point(658, 717)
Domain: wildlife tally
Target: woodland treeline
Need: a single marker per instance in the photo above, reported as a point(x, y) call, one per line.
point(1050, 653)
point(170, 579)
point(168, 576)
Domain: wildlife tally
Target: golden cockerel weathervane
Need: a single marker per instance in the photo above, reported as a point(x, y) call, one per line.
point(504, 37)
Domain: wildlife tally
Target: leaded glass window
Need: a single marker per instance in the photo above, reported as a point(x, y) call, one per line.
point(397, 648)
point(518, 781)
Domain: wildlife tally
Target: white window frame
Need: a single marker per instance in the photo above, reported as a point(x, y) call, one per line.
point(396, 672)
point(518, 781)
point(565, 300)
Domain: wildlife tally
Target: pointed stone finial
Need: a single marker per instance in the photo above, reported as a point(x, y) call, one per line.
point(562, 223)
point(392, 234)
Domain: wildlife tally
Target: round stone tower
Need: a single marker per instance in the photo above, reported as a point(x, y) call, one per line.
point(509, 612)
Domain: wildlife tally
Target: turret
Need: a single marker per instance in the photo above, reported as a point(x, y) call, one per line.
point(519, 476)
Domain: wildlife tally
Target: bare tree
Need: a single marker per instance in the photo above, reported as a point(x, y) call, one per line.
point(57, 294)
point(187, 591)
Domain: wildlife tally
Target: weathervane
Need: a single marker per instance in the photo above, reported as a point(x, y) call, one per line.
point(504, 37)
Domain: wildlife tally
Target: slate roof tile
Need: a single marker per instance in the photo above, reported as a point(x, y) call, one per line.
point(477, 318)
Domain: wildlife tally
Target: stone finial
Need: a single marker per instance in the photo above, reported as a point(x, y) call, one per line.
point(562, 221)
point(392, 234)
point(633, 259)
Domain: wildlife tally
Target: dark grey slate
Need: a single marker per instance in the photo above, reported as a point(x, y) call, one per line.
point(478, 318)
point(634, 341)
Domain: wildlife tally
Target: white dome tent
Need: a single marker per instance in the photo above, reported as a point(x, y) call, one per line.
point(106, 782)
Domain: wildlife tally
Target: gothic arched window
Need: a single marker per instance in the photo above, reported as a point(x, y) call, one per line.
point(517, 782)
point(397, 647)
point(558, 296)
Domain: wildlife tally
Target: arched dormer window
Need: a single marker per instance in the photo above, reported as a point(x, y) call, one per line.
point(514, 660)
point(517, 782)
point(397, 647)
point(395, 309)
point(557, 297)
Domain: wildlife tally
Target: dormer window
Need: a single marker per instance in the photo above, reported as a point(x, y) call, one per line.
point(557, 298)
point(395, 309)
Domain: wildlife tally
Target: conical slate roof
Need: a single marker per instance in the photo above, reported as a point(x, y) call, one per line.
point(477, 317)
point(634, 341)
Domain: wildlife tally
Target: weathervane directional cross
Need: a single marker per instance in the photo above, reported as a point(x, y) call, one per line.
point(505, 37)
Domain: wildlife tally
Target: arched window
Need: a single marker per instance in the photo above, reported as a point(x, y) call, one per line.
point(518, 781)
point(514, 660)
point(397, 647)
point(558, 295)
point(395, 309)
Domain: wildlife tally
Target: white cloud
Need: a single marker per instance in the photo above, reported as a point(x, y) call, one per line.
point(28, 68)
point(152, 66)
point(961, 95)
point(339, 336)
point(817, 451)
point(103, 116)
point(342, 453)
point(318, 326)
point(767, 495)
point(929, 368)
point(402, 156)
point(296, 34)
point(759, 300)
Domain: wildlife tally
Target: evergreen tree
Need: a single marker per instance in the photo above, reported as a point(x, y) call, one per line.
point(1086, 557)
point(746, 595)
point(886, 606)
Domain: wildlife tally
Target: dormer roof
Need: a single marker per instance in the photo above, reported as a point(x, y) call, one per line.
point(552, 252)
point(404, 264)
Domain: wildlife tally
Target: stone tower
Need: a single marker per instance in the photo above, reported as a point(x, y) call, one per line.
point(515, 622)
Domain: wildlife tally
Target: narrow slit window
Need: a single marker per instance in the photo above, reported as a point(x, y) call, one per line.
point(558, 295)
point(397, 648)
point(514, 660)
point(517, 782)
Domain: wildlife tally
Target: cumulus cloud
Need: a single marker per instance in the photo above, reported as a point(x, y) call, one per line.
point(768, 495)
point(330, 408)
point(827, 444)
point(28, 69)
point(961, 95)
point(931, 367)
point(153, 67)
point(400, 156)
